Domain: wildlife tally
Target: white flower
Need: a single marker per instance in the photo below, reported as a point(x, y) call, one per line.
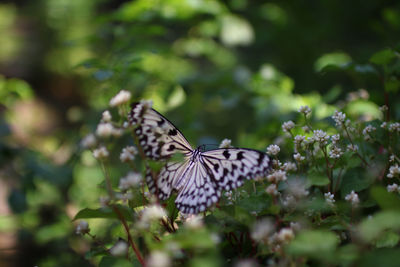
point(285, 235)
point(89, 141)
point(116, 132)
point(298, 157)
point(369, 129)
point(306, 129)
point(277, 176)
point(261, 230)
point(394, 127)
point(289, 166)
point(352, 198)
point(298, 139)
point(104, 129)
point(393, 188)
point(335, 138)
point(226, 143)
point(194, 221)
point(132, 179)
point(297, 188)
point(272, 190)
point(100, 153)
point(128, 154)
point(321, 137)
point(394, 171)
point(305, 110)
point(152, 213)
point(106, 116)
point(122, 97)
point(329, 198)
point(125, 125)
point(335, 152)
point(352, 147)
point(383, 108)
point(391, 158)
point(158, 258)
point(82, 228)
point(295, 226)
point(289, 201)
point(119, 249)
point(147, 104)
point(339, 118)
point(273, 150)
point(287, 126)
point(384, 125)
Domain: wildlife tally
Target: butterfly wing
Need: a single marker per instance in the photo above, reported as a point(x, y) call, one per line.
point(229, 167)
point(158, 137)
point(197, 191)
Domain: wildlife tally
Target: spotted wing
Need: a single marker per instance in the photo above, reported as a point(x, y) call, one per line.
point(158, 137)
point(231, 166)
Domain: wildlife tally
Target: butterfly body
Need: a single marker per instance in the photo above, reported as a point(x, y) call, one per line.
point(202, 175)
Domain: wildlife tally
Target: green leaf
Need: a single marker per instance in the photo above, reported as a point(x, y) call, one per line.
point(255, 202)
point(383, 57)
point(380, 257)
point(108, 261)
point(387, 239)
point(392, 85)
point(104, 213)
point(172, 210)
point(313, 243)
point(318, 179)
point(385, 199)
point(372, 228)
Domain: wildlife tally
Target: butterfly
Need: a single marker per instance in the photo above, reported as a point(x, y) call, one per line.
point(202, 175)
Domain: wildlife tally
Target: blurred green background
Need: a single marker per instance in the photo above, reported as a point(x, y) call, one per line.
point(219, 69)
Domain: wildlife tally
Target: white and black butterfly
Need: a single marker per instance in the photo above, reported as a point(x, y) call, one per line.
point(201, 177)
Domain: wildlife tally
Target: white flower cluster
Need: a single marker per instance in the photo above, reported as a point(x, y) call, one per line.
point(297, 188)
point(384, 125)
point(321, 137)
point(351, 147)
point(89, 141)
point(287, 126)
point(335, 138)
point(394, 171)
point(262, 230)
point(367, 132)
point(149, 214)
point(335, 152)
point(394, 127)
point(101, 153)
point(352, 198)
point(277, 176)
point(106, 129)
point(119, 249)
point(121, 98)
point(158, 258)
point(393, 188)
point(298, 157)
point(298, 139)
point(132, 179)
point(194, 221)
point(272, 190)
point(226, 143)
point(128, 154)
point(273, 150)
point(329, 198)
point(339, 118)
point(289, 167)
point(82, 228)
point(106, 116)
point(305, 110)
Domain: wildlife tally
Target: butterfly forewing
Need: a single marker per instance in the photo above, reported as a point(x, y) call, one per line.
point(158, 137)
